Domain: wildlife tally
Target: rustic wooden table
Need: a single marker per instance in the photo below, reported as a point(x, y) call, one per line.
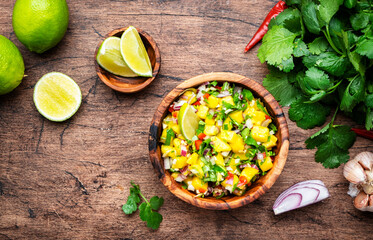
point(69, 180)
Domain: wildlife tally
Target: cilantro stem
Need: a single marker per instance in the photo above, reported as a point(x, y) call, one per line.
point(327, 35)
point(335, 114)
point(144, 198)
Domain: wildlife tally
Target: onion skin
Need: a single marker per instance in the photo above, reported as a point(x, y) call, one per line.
point(359, 171)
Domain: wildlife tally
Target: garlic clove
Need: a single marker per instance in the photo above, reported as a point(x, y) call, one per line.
point(353, 191)
point(361, 200)
point(354, 172)
point(371, 201)
point(365, 159)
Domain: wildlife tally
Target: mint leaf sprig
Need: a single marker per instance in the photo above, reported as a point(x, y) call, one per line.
point(148, 209)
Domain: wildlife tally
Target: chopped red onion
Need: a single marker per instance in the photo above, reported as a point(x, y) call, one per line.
point(206, 151)
point(191, 98)
point(228, 111)
point(166, 163)
point(237, 131)
point(238, 89)
point(178, 105)
point(219, 123)
point(249, 123)
point(183, 151)
point(244, 165)
point(184, 169)
point(254, 166)
point(180, 178)
point(300, 195)
point(205, 83)
point(230, 180)
point(224, 93)
point(240, 97)
point(266, 122)
point(260, 156)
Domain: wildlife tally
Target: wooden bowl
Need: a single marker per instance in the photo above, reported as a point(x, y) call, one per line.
point(131, 84)
point(259, 187)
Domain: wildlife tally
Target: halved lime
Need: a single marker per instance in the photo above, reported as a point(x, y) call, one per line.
point(134, 53)
point(110, 58)
point(188, 121)
point(57, 97)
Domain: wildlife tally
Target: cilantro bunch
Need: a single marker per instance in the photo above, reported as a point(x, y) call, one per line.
point(147, 208)
point(320, 57)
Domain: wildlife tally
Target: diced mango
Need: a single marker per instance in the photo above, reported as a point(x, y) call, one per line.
point(258, 118)
point(242, 156)
point(228, 99)
point(213, 102)
point(266, 164)
point(219, 160)
point(237, 116)
point(199, 185)
point(249, 111)
point(196, 169)
point(227, 135)
point(164, 136)
point(202, 111)
point(168, 151)
point(230, 186)
point(227, 124)
point(180, 162)
point(175, 127)
point(271, 143)
point(190, 93)
point(209, 121)
point(237, 144)
point(260, 134)
point(249, 173)
point(193, 159)
point(220, 145)
point(211, 130)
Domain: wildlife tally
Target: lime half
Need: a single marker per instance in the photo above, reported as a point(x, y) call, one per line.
point(134, 53)
point(110, 58)
point(188, 121)
point(57, 97)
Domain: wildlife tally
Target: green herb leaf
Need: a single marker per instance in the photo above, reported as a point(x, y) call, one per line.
point(247, 94)
point(328, 8)
point(308, 9)
point(132, 200)
point(156, 202)
point(359, 20)
point(277, 45)
point(152, 218)
point(300, 48)
point(318, 45)
point(354, 93)
point(314, 80)
point(308, 115)
point(279, 84)
point(365, 48)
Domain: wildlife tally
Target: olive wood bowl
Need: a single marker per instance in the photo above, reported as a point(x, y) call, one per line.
point(260, 186)
point(130, 84)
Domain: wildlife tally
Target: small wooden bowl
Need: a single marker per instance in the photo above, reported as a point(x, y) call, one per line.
point(259, 187)
point(130, 84)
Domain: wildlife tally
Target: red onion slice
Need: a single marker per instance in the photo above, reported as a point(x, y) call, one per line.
point(300, 195)
point(229, 181)
point(223, 94)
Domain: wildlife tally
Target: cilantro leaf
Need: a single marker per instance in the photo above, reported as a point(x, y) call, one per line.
point(300, 48)
point(156, 203)
point(369, 119)
point(132, 200)
point(327, 61)
point(353, 94)
point(328, 8)
point(277, 45)
point(359, 20)
point(152, 218)
point(318, 45)
point(247, 94)
point(309, 15)
point(365, 48)
point(279, 84)
point(333, 143)
point(290, 19)
point(308, 115)
point(314, 80)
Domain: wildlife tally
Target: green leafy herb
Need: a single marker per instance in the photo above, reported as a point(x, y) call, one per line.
point(308, 115)
point(170, 135)
point(147, 208)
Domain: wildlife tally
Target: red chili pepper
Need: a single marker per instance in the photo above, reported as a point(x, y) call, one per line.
point(174, 114)
point(230, 175)
point(217, 87)
point(196, 103)
point(267, 117)
point(198, 144)
point(171, 108)
point(277, 9)
point(201, 136)
point(242, 181)
point(202, 190)
point(363, 133)
point(206, 95)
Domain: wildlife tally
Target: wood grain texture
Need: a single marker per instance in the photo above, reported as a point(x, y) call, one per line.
point(259, 187)
point(69, 180)
point(131, 84)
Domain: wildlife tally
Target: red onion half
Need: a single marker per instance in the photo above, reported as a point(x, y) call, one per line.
point(300, 195)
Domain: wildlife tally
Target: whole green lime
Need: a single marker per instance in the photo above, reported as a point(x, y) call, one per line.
point(40, 24)
point(12, 67)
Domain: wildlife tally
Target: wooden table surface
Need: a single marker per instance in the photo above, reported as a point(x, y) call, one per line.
point(69, 180)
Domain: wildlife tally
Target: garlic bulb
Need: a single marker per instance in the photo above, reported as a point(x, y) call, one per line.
point(359, 172)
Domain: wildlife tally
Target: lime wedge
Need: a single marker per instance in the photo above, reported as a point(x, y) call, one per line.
point(188, 121)
point(134, 53)
point(57, 97)
point(110, 58)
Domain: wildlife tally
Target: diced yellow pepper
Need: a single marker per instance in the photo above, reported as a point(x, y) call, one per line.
point(227, 135)
point(209, 121)
point(237, 116)
point(271, 143)
point(228, 99)
point(260, 134)
point(212, 101)
point(220, 145)
point(219, 160)
point(228, 124)
point(266, 164)
point(211, 130)
point(180, 162)
point(249, 173)
point(168, 151)
point(237, 144)
point(202, 111)
point(249, 111)
point(229, 186)
point(258, 118)
point(196, 169)
point(193, 159)
point(199, 185)
point(242, 156)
